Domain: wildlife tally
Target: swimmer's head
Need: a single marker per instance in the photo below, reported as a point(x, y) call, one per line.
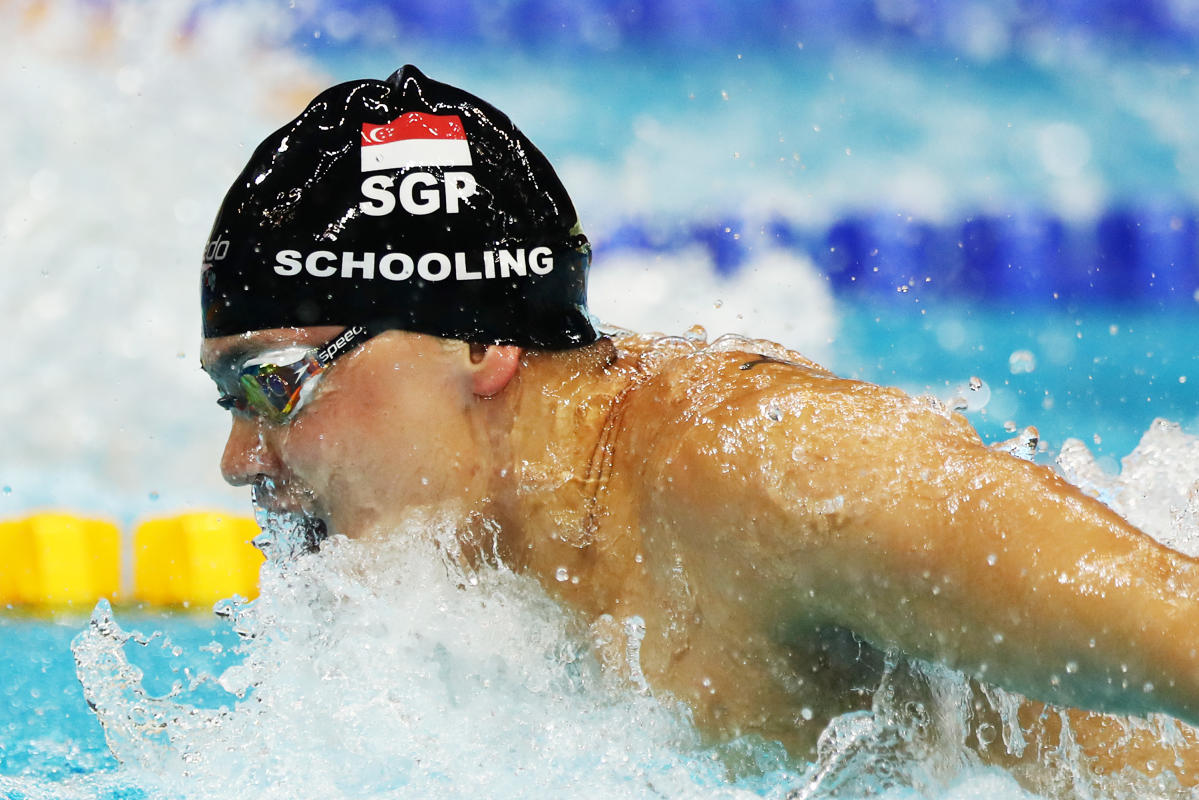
point(406, 204)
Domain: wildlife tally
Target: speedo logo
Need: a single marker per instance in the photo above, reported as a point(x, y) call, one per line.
point(216, 250)
point(432, 267)
point(409, 142)
point(343, 341)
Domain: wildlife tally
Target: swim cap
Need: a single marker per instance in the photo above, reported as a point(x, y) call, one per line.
point(404, 203)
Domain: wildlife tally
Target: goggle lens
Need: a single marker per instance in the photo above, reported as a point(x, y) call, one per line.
point(274, 390)
point(274, 385)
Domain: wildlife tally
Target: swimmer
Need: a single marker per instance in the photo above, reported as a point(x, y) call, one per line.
point(394, 311)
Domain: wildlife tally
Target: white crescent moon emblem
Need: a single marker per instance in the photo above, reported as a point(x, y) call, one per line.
point(379, 135)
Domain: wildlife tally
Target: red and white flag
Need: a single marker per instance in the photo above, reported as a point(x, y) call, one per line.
point(415, 139)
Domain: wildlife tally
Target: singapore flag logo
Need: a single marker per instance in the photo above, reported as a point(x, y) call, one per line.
point(415, 139)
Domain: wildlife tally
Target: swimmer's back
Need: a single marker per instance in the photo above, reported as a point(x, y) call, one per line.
point(767, 459)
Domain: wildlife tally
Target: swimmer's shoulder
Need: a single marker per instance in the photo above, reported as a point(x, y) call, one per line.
point(678, 386)
point(686, 387)
point(682, 378)
point(729, 363)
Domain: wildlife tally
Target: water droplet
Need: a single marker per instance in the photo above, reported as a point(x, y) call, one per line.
point(1021, 361)
point(773, 412)
point(634, 631)
point(997, 638)
point(991, 559)
point(235, 680)
point(806, 713)
point(830, 506)
point(154, 496)
point(424, 481)
point(1023, 445)
point(1071, 667)
point(797, 453)
point(970, 396)
point(562, 574)
point(697, 334)
point(1147, 688)
point(7, 490)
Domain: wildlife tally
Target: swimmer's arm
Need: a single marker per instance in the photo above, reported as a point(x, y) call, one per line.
point(866, 510)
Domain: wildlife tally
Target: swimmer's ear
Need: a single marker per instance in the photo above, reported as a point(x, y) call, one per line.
point(493, 366)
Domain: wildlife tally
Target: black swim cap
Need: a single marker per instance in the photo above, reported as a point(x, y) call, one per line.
point(403, 203)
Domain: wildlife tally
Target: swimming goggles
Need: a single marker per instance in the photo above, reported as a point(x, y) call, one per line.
point(276, 384)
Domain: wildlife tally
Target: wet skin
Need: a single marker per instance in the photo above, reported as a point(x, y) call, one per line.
point(774, 526)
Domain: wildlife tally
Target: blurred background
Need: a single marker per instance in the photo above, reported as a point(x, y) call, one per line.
point(913, 192)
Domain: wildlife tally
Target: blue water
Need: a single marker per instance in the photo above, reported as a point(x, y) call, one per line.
point(1099, 375)
point(997, 191)
point(46, 729)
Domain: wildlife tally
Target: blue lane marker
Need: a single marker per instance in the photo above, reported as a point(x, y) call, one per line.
point(1147, 254)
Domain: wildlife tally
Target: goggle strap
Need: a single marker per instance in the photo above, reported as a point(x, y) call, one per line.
point(349, 339)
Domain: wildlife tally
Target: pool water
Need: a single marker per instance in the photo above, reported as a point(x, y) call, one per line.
point(48, 729)
point(388, 670)
point(714, 181)
point(1098, 375)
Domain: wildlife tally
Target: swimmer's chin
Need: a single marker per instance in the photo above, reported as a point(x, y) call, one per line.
point(287, 534)
point(277, 497)
point(290, 517)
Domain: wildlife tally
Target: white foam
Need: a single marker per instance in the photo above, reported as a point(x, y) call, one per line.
point(775, 295)
point(1157, 488)
point(384, 670)
point(123, 125)
point(388, 673)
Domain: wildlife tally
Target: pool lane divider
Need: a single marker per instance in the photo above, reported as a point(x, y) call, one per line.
point(55, 560)
point(1144, 254)
point(195, 559)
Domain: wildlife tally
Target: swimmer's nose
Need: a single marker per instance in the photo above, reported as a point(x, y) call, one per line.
point(247, 453)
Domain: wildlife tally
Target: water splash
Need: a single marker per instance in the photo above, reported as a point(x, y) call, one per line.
point(285, 534)
point(972, 395)
point(1157, 488)
point(1023, 445)
point(388, 669)
point(401, 669)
